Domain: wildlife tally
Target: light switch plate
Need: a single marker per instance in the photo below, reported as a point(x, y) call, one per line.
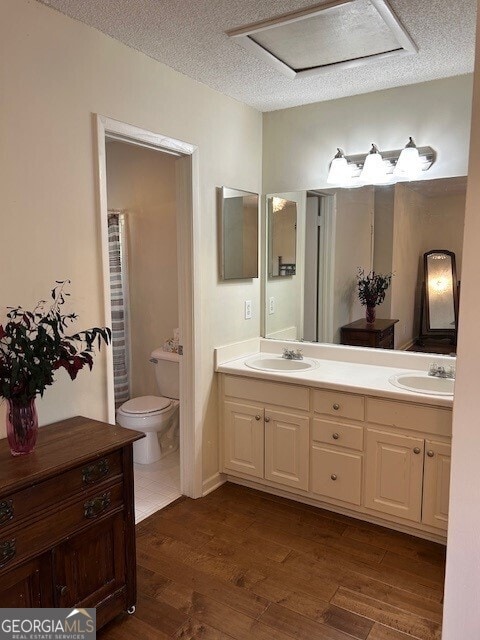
point(271, 305)
point(248, 309)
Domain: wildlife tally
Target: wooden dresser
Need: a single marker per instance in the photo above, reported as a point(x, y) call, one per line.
point(379, 335)
point(67, 527)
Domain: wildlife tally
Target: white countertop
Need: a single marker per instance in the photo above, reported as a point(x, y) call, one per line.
point(368, 379)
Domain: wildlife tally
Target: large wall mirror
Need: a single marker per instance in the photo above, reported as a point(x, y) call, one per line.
point(382, 228)
point(238, 234)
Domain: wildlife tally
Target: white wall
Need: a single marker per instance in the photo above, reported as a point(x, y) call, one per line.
point(461, 610)
point(59, 73)
point(142, 183)
point(299, 143)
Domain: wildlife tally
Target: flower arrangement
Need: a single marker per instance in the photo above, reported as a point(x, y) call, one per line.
point(372, 287)
point(33, 345)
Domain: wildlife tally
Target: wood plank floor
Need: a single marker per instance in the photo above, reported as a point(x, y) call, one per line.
point(241, 564)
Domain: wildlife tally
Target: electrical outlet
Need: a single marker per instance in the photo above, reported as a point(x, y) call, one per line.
point(248, 309)
point(271, 306)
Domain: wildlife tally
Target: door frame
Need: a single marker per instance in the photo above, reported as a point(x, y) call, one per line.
point(188, 235)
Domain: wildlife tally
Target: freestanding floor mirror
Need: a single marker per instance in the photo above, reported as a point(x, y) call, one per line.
point(439, 310)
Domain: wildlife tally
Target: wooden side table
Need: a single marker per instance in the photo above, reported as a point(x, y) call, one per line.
point(379, 335)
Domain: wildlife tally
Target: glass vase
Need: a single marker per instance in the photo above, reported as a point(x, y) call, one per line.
point(22, 426)
point(371, 315)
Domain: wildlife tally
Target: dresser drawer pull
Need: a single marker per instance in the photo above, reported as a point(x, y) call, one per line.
point(61, 590)
point(6, 511)
point(335, 436)
point(7, 551)
point(336, 406)
point(96, 506)
point(333, 476)
point(95, 472)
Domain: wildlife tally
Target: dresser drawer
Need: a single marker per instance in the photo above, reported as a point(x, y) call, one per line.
point(338, 404)
point(336, 474)
point(43, 533)
point(49, 492)
point(341, 435)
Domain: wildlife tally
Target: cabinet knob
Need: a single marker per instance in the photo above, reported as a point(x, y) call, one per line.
point(61, 589)
point(336, 406)
point(333, 476)
point(257, 417)
point(335, 436)
point(267, 419)
point(430, 454)
point(416, 450)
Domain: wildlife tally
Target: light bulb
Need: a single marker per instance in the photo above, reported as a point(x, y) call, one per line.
point(340, 172)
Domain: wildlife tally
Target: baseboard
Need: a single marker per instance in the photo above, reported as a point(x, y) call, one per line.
point(212, 483)
point(407, 345)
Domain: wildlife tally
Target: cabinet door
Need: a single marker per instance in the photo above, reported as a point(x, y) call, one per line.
point(287, 441)
point(394, 474)
point(436, 484)
point(29, 585)
point(91, 566)
point(244, 439)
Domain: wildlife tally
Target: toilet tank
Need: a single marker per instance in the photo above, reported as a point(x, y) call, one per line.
point(167, 372)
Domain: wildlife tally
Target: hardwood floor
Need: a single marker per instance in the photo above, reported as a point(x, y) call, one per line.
point(245, 565)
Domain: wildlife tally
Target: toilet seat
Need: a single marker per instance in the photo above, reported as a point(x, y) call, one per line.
point(146, 405)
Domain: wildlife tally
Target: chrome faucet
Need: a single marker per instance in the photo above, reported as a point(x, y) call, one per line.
point(438, 371)
point(291, 354)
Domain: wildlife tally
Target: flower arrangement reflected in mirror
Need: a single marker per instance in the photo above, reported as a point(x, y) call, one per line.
point(372, 288)
point(33, 345)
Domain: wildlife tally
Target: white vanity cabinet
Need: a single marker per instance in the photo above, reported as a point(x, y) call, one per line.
point(383, 460)
point(268, 439)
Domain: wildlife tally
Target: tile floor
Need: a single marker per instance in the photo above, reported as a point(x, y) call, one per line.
point(156, 485)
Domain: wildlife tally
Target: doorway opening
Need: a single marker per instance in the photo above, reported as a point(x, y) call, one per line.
point(148, 188)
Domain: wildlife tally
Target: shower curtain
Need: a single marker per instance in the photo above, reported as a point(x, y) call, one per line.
point(117, 254)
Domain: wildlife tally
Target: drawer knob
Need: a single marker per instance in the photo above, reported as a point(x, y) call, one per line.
point(335, 436)
point(95, 472)
point(96, 506)
point(6, 511)
point(267, 419)
point(430, 453)
point(417, 450)
point(257, 417)
point(61, 589)
point(333, 476)
point(8, 550)
point(336, 406)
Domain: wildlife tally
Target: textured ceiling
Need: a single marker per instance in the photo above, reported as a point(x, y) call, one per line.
point(189, 36)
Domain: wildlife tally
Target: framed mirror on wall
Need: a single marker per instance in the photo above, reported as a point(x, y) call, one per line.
point(238, 233)
point(382, 228)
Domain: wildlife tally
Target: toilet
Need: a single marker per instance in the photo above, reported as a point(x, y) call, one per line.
point(156, 416)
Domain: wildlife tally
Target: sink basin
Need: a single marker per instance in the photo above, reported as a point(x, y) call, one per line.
point(423, 383)
point(277, 363)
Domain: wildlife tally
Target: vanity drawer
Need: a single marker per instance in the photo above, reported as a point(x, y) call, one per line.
point(336, 474)
point(19, 543)
point(49, 492)
point(285, 395)
point(407, 415)
point(338, 404)
point(341, 435)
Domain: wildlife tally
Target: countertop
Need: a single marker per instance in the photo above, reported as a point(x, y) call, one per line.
point(367, 379)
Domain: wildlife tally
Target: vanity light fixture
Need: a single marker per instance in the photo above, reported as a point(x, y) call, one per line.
point(374, 170)
point(340, 172)
point(380, 168)
point(408, 165)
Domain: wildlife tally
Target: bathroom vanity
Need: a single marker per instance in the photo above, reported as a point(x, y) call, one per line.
point(340, 436)
point(67, 530)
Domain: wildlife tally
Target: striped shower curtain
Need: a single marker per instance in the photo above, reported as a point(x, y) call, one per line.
point(117, 254)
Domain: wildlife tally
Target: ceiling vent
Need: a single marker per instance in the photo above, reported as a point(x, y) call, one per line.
point(333, 35)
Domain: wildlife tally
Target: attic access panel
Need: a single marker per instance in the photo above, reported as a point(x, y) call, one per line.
point(336, 34)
